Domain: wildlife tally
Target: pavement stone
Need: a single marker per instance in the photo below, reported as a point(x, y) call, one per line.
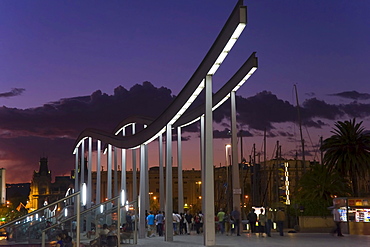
point(247, 239)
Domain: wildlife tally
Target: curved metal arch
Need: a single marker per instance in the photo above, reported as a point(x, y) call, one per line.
point(175, 109)
point(194, 114)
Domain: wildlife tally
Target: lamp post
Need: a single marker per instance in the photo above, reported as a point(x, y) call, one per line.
point(228, 178)
point(199, 194)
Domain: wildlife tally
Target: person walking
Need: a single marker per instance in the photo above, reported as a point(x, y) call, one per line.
point(159, 218)
point(235, 215)
point(252, 219)
point(280, 218)
point(261, 223)
point(198, 222)
point(150, 221)
point(188, 218)
point(176, 223)
point(221, 220)
point(337, 221)
point(269, 219)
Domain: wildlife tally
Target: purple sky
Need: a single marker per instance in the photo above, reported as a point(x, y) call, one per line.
point(55, 54)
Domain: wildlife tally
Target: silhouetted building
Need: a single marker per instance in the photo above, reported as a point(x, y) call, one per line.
point(42, 190)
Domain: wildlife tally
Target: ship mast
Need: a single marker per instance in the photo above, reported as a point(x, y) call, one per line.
point(300, 130)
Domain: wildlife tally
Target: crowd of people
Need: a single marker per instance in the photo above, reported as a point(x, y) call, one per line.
point(185, 223)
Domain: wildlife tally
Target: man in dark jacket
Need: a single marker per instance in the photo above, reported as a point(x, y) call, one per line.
point(252, 218)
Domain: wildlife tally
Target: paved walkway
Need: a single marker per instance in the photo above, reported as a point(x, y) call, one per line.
point(246, 239)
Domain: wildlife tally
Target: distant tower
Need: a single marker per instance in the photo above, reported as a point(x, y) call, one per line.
point(3, 186)
point(40, 186)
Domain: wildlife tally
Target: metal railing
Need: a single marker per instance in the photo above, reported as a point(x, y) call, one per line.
point(70, 217)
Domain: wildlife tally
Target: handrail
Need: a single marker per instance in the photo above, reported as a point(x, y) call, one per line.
point(43, 239)
point(39, 210)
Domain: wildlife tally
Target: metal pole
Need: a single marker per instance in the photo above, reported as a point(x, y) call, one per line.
point(98, 173)
point(119, 219)
point(134, 173)
point(115, 185)
point(89, 186)
point(82, 162)
point(78, 219)
point(202, 169)
point(161, 175)
point(179, 173)
point(169, 203)
point(76, 169)
point(142, 195)
point(109, 171)
point(208, 199)
point(123, 165)
point(234, 148)
point(43, 239)
point(135, 222)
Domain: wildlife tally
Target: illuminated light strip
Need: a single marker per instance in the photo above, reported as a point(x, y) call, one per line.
point(121, 129)
point(191, 122)
point(154, 137)
point(221, 102)
point(79, 143)
point(231, 42)
point(188, 102)
point(287, 201)
point(250, 73)
point(234, 37)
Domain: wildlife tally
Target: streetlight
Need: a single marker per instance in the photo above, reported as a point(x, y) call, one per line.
point(228, 182)
point(199, 197)
point(227, 154)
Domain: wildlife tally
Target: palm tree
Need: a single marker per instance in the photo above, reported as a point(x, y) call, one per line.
point(348, 151)
point(321, 183)
point(318, 187)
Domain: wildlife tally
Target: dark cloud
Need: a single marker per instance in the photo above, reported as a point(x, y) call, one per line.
point(265, 109)
point(310, 94)
point(352, 95)
point(356, 110)
point(318, 108)
point(50, 130)
point(12, 93)
point(26, 135)
point(68, 117)
point(260, 111)
point(226, 134)
point(223, 134)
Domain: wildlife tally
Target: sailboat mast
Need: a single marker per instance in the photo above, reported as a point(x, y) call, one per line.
point(300, 129)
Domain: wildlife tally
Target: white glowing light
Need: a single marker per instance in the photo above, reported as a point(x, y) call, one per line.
point(249, 74)
point(234, 37)
point(79, 143)
point(84, 194)
point(123, 198)
point(287, 201)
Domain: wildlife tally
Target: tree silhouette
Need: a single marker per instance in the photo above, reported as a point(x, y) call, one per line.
point(348, 151)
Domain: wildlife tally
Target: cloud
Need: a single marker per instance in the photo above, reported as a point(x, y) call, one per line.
point(352, 95)
point(12, 93)
point(28, 134)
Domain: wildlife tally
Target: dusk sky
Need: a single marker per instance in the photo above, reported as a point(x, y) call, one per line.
point(70, 65)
